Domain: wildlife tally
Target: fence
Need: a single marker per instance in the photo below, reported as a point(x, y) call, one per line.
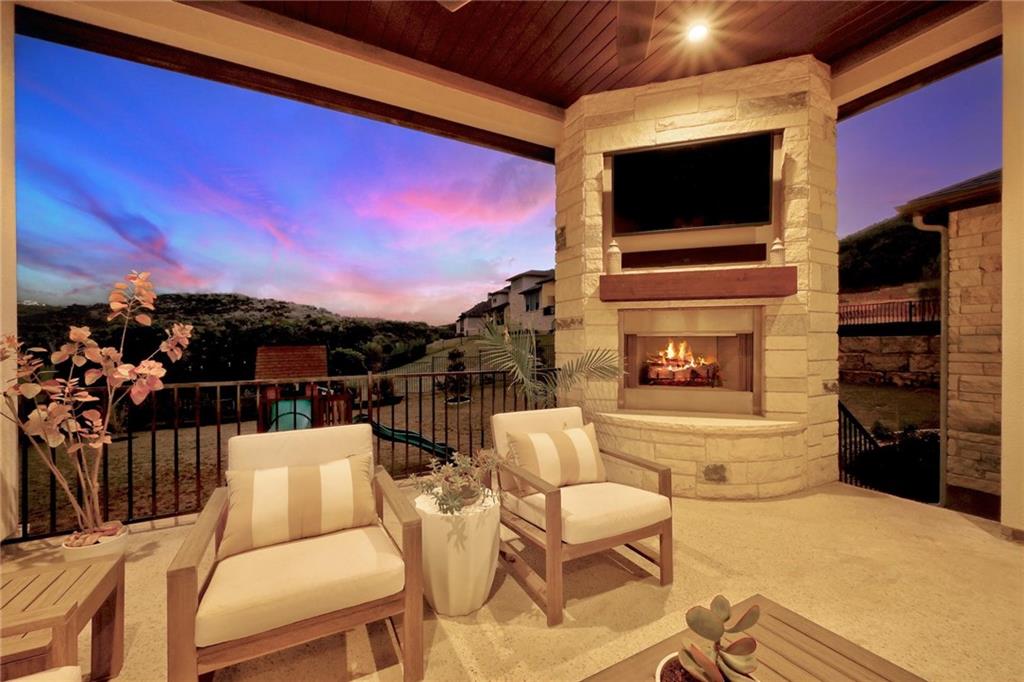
point(854, 442)
point(168, 454)
point(909, 466)
point(890, 312)
point(437, 364)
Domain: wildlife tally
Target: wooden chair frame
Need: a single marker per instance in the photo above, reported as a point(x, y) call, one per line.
point(186, 661)
point(548, 592)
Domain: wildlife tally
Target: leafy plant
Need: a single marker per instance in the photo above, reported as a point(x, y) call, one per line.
point(514, 351)
point(729, 663)
point(458, 483)
point(455, 384)
point(64, 418)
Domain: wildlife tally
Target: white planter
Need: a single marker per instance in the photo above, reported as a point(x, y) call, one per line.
point(460, 554)
point(108, 546)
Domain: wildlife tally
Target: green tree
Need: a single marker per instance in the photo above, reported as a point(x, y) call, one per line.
point(345, 361)
point(455, 384)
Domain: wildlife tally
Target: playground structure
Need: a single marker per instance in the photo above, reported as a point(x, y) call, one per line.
point(313, 407)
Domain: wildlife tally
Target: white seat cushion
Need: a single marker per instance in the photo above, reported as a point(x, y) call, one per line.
point(266, 588)
point(594, 511)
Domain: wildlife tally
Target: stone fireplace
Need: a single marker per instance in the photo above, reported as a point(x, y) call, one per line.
point(692, 360)
point(728, 335)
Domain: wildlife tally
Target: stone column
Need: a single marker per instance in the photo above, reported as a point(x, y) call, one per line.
point(791, 97)
point(1013, 269)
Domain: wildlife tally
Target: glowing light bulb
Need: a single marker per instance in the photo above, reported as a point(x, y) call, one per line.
point(697, 32)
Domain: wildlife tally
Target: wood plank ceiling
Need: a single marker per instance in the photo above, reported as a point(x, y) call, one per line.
point(558, 51)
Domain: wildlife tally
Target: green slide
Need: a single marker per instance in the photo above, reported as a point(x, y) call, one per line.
point(442, 450)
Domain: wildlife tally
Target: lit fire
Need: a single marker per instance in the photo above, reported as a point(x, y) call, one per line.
point(678, 365)
point(682, 357)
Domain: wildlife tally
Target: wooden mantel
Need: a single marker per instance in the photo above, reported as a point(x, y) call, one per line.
point(762, 282)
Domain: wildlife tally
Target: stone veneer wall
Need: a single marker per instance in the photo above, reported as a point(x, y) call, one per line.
point(890, 360)
point(974, 326)
point(801, 368)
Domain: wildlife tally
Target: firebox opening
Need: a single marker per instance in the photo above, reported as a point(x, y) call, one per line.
point(692, 360)
point(719, 361)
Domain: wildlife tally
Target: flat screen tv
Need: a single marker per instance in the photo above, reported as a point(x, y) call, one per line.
point(720, 183)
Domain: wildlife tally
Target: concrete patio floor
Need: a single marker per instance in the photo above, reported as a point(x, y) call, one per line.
point(937, 592)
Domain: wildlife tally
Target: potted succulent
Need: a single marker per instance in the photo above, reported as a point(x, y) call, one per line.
point(69, 420)
point(459, 482)
point(732, 662)
point(460, 517)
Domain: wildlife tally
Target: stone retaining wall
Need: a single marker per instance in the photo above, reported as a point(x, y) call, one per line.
point(890, 360)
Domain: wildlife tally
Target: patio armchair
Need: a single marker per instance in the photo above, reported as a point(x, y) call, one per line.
point(572, 521)
point(277, 596)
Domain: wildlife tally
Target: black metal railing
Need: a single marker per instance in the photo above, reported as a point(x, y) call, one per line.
point(854, 442)
point(907, 466)
point(891, 312)
point(438, 364)
point(169, 453)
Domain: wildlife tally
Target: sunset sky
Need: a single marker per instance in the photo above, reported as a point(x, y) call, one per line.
point(220, 189)
point(931, 138)
point(216, 188)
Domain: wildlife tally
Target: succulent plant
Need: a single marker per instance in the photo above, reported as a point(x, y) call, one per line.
point(733, 662)
point(459, 482)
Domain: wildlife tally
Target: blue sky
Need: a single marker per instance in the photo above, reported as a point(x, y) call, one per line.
point(217, 188)
point(936, 136)
point(220, 189)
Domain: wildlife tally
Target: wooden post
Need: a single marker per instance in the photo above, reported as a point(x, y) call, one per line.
point(665, 552)
point(412, 619)
point(553, 556)
point(108, 632)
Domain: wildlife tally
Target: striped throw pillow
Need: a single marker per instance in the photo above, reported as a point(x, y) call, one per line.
point(560, 458)
point(270, 506)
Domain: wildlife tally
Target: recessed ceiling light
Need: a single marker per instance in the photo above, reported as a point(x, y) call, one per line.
point(697, 32)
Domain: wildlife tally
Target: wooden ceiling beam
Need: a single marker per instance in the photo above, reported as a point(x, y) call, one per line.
point(83, 35)
point(921, 52)
point(270, 43)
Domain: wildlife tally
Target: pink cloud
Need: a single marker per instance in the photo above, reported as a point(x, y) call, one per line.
point(425, 209)
point(241, 201)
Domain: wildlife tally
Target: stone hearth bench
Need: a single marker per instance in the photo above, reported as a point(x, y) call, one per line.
point(712, 456)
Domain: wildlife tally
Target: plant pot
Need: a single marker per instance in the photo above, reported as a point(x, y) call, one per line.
point(469, 496)
point(108, 546)
point(460, 554)
point(682, 676)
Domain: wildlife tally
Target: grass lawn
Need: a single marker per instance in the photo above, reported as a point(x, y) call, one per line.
point(437, 360)
point(894, 406)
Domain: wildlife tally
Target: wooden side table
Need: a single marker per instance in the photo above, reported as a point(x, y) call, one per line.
point(45, 608)
point(790, 648)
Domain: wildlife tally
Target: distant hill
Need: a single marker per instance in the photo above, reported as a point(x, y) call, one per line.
point(229, 327)
point(888, 253)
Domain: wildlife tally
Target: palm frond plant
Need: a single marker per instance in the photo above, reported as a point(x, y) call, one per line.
point(514, 351)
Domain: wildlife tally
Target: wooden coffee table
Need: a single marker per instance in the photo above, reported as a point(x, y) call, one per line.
point(789, 647)
point(45, 608)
